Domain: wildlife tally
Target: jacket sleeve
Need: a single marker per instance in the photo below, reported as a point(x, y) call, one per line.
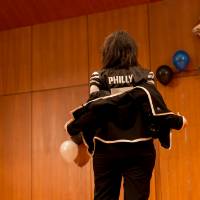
point(173, 121)
point(98, 94)
point(77, 125)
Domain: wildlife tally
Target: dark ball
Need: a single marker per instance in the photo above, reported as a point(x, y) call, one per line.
point(164, 74)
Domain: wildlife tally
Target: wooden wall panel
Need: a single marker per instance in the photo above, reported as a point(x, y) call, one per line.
point(52, 177)
point(179, 167)
point(132, 19)
point(60, 55)
point(15, 147)
point(15, 60)
point(171, 24)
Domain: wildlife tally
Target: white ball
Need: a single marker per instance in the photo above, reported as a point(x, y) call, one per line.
point(69, 150)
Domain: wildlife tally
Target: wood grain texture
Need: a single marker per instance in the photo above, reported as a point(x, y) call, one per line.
point(179, 167)
point(132, 19)
point(60, 55)
point(171, 24)
point(15, 147)
point(53, 178)
point(15, 61)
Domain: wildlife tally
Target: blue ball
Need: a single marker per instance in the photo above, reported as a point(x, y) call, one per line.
point(181, 60)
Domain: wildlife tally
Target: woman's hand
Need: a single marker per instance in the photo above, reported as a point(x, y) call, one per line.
point(83, 155)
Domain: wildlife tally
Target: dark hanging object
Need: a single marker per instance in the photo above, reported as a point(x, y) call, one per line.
point(164, 74)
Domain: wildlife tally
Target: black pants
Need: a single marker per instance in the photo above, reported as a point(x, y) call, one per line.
point(132, 161)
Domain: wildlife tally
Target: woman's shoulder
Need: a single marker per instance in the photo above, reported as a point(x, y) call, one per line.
point(141, 73)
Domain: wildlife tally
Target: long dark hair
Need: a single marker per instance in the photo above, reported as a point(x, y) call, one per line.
point(119, 51)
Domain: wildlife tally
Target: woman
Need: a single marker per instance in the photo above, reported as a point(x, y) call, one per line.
point(120, 121)
point(131, 159)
